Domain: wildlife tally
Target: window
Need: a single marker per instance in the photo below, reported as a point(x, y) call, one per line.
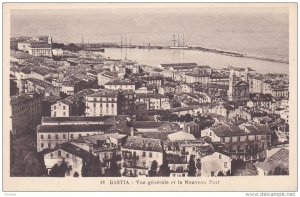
point(144, 154)
point(59, 153)
point(42, 145)
point(49, 136)
point(220, 156)
point(67, 155)
point(79, 135)
point(71, 136)
point(49, 145)
point(212, 173)
point(94, 105)
point(225, 165)
point(144, 164)
point(42, 136)
point(112, 105)
point(54, 114)
point(150, 155)
point(64, 136)
point(56, 136)
point(64, 113)
point(51, 155)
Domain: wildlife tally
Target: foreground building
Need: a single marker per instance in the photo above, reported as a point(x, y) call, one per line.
point(74, 156)
point(247, 141)
point(26, 112)
point(215, 164)
point(138, 154)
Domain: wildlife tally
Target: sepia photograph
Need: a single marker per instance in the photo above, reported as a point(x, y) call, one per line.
point(150, 96)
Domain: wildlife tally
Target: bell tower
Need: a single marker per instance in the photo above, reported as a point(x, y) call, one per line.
point(231, 83)
point(49, 39)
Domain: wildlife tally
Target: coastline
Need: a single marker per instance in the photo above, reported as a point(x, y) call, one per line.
point(208, 50)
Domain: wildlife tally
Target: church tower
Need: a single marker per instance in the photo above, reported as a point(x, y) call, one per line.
point(49, 39)
point(245, 76)
point(231, 84)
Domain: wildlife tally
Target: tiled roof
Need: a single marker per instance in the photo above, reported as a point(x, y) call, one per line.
point(70, 148)
point(150, 95)
point(157, 135)
point(120, 82)
point(40, 83)
point(149, 78)
point(229, 129)
point(280, 158)
point(176, 159)
point(77, 118)
point(104, 93)
point(181, 136)
point(41, 70)
point(40, 45)
point(103, 137)
point(74, 128)
point(23, 98)
point(148, 124)
point(146, 144)
point(20, 55)
point(181, 65)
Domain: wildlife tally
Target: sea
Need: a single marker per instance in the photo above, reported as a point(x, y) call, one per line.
point(254, 30)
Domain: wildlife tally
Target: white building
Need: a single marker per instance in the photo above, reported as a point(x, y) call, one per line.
point(57, 52)
point(73, 155)
point(50, 136)
point(102, 103)
point(154, 101)
point(120, 85)
point(138, 154)
point(212, 165)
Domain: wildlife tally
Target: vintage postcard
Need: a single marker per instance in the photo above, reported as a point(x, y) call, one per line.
point(150, 97)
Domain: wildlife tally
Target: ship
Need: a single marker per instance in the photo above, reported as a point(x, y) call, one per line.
point(126, 45)
point(178, 45)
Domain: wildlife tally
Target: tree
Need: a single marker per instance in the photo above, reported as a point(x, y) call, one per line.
point(94, 170)
point(240, 168)
point(220, 173)
point(192, 167)
point(164, 169)
point(84, 170)
point(54, 171)
point(59, 170)
point(76, 174)
point(25, 160)
point(153, 169)
point(114, 170)
point(280, 171)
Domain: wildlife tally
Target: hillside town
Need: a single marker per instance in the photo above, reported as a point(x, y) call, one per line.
point(77, 113)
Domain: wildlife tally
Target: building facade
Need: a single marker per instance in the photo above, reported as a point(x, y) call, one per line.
point(26, 112)
point(138, 154)
point(102, 103)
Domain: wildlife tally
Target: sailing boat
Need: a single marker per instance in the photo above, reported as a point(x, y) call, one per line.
point(177, 45)
point(126, 45)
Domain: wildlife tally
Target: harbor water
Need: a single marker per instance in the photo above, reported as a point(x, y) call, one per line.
point(155, 57)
